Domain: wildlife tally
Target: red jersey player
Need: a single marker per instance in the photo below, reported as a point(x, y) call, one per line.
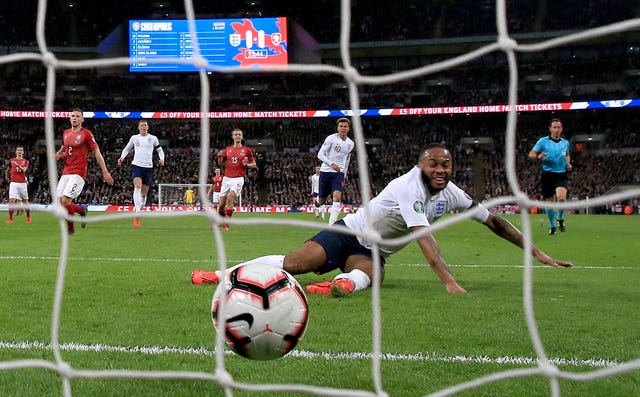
point(77, 143)
point(17, 175)
point(216, 186)
point(236, 159)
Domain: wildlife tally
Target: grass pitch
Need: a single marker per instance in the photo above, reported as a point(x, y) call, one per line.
point(128, 304)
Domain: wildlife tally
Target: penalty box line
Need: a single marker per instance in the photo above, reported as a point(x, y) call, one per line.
point(297, 353)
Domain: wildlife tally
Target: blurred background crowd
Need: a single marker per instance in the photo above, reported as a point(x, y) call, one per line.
point(386, 38)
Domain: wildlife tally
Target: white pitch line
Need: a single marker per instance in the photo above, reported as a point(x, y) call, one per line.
point(109, 259)
point(433, 357)
point(214, 261)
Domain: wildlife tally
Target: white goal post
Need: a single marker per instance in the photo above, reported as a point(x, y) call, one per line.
point(173, 193)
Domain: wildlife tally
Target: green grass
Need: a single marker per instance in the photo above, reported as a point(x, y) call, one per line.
point(127, 288)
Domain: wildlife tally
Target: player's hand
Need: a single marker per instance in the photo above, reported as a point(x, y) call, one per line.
point(564, 263)
point(557, 263)
point(107, 178)
point(454, 288)
point(161, 163)
point(542, 155)
point(119, 162)
point(546, 259)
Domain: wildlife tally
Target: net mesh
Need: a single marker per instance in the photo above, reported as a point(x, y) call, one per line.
point(504, 43)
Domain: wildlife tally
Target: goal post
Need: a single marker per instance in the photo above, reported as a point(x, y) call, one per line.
point(175, 193)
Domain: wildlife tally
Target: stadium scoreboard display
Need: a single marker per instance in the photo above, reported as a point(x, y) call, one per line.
point(244, 42)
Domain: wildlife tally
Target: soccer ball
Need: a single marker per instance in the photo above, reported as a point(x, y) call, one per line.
point(266, 311)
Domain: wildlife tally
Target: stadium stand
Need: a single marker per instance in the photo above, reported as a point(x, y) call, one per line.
point(598, 70)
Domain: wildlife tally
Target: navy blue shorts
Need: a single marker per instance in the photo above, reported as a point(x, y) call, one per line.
point(146, 174)
point(329, 182)
point(338, 247)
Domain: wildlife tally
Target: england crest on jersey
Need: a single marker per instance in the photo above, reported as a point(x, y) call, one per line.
point(235, 39)
point(438, 209)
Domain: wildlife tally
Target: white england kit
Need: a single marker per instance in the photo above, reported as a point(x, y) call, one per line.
point(315, 184)
point(335, 150)
point(405, 203)
point(144, 147)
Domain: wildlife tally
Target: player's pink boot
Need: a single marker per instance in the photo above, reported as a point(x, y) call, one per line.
point(201, 277)
point(342, 287)
point(338, 288)
point(321, 288)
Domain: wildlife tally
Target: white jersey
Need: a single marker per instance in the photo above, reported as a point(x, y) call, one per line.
point(143, 147)
point(405, 203)
point(315, 183)
point(335, 150)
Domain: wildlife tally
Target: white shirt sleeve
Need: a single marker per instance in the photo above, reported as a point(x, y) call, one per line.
point(159, 149)
point(461, 201)
point(127, 149)
point(322, 153)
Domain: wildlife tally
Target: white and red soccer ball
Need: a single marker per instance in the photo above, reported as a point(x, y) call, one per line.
point(265, 308)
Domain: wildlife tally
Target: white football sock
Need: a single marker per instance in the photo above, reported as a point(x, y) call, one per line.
point(137, 198)
point(335, 209)
point(359, 278)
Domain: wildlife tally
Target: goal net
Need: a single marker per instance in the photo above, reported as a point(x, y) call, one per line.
point(181, 194)
point(222, 374)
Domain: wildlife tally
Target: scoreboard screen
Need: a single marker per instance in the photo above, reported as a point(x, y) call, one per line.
point(244, 42)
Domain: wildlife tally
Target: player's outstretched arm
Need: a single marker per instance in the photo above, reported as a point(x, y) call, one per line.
point(507, 231)
point(546, 259)
point(431, 251)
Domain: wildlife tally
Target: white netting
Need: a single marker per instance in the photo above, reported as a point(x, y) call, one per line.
point(504, 43)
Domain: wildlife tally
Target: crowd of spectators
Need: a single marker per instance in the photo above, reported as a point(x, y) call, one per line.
point(605, 73)
point(577, 73)
point(72, 23)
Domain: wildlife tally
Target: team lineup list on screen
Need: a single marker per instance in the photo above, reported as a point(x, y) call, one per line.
point(243, 42)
